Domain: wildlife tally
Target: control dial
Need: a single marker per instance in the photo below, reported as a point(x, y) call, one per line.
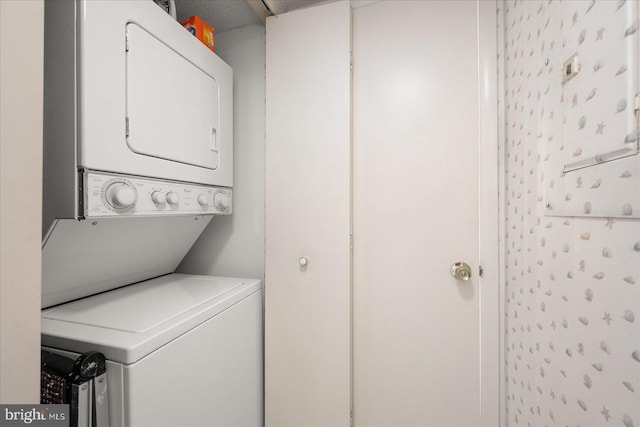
point(121, 195)
point(221, 201)
point(203, 200)
point(158, 197)
point(173, 198)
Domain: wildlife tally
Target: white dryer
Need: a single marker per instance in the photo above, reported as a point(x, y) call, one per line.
point(138, 157)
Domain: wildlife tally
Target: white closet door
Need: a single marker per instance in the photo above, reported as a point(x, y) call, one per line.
point(308, 169)
point(415, 211)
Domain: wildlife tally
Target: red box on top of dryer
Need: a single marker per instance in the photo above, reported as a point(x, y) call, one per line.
point(199, 28)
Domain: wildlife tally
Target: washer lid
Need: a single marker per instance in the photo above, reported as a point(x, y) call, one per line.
point(128, 323)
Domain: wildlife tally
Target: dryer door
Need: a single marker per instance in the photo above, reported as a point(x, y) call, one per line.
point(178, 120)
point(152, 100)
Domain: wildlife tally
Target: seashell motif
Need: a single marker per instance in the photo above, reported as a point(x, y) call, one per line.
point(636, 247)
point(606, 252)
point(552, 346)
point(591, 94)
point(636, 355)
point(564, 297)
point(631, 138)
point(565, 324)
point(585, 236)
point(628, 316)
point(570, 275)
point(630, 280)
point(582, 36)
point(579, 182)
point(580, 348)
point(627, 421)
point(568, 197)
point(587, 207)
point(583, 320)
point(539, 325)
point(599, 276)
point(632, 29)
point(627, 209)
point(596, 184)
point(582, 405)
point(597, 66)
point(621, 70)
point(543, 307)
point(562, 396)
point(565, 247)
point(542, 371)
point(598, 367)
point(587, 381)
point(607, 318)
point(629, 386)
point(622, 105)
point(605, 347)
point(582, 122)
point(588, 295)
point(625, 174)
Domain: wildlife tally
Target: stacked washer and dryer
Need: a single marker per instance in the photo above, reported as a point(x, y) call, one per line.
point(138, 157)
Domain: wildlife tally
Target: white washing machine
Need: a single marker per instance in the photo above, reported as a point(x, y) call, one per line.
point(182, 350)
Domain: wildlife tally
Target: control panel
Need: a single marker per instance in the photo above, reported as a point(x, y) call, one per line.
point(106, 194)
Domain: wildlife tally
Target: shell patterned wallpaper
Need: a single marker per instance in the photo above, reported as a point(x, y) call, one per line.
point(572, 283)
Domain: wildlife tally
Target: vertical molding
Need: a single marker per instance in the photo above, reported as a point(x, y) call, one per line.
point(489, 226)
point(500, 74)
point(21, 86)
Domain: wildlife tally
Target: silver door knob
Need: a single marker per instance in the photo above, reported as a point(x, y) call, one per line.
point(303, 261)
point(461, 271)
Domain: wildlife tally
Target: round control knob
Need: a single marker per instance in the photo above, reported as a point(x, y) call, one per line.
point(158, 197)
point(221, 201)
point(203, 200)
point(120, 195)
point(172, 198)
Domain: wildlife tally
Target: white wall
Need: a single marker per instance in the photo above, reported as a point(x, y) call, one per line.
point(21, 80)
point(234, 245)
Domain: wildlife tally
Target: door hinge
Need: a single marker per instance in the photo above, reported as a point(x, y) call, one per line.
point(126, 42)
point(351, 418)
point(480, 271)
point(126, 127)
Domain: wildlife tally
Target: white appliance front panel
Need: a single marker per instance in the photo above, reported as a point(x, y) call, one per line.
point(161, 143)
point(210, 376)
point(182, 126)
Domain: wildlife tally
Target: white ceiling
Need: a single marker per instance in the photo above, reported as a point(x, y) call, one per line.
point(225, 15)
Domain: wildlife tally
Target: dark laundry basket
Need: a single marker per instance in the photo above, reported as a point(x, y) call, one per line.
point(80, 383)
